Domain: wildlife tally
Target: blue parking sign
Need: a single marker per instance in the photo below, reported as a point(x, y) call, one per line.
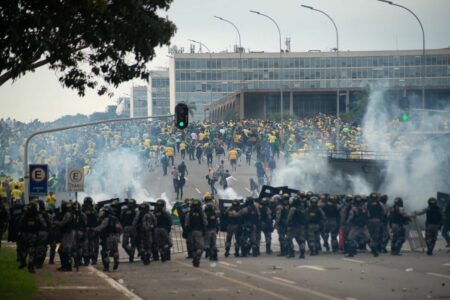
point(38, 180)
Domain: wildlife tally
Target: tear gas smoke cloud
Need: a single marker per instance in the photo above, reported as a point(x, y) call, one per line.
point(228, 193)
point(120, 174)
point(414, 171)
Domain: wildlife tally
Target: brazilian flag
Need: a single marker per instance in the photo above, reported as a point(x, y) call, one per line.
point(175, 212)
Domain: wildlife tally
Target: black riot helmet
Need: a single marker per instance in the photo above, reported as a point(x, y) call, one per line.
point(285, 200)
point(373, 196)
point(107, 211)
point(31, 208)
point(66, 206)
point(349, 198)
point(314, 201)
point(384, 198)
point(249, 201)
point(160, 204)
point(131, 203)
point(358, 200)
point(144, 207)
point(398, 202)
point(309, 194)
point(88, 201)
point(265, 201)
point(332, 199)
point(196, 205)
point(295, 201)
point(41, 204)
point(432, 202)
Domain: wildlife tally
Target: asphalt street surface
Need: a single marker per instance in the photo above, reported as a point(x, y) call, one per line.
point(327, 276)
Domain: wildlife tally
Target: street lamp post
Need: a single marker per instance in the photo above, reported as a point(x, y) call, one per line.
point(281, 62)
point(210, 61)
point(422, 79)
point(338, 70)
point(240, 55)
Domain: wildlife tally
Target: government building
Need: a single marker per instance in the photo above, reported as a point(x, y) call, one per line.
point(249, 85)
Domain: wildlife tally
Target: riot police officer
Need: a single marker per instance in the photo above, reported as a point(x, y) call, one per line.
point(331, 224)
point(66, 224)
point(162, 230)
point(129, 235)
point(80, 233)
point(250, 217)
point(316, 217)
point(144, 224)
point(376, 216)
point(233, 221)
point(109, 231)
point(282, 211)
point(385, 236)
point(266, 224)
point(42, 238)
point(4, 219)
point(358, 226)
point(433, 223)
point(397, 220)
point(91, 243)
point(297, 224)
point(29, 226)
point(212, 217)
point(196, 223)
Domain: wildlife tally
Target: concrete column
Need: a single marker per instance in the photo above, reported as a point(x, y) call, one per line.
point(291, 103)
point(347, 101)
point(265, 107)
point(241, 105)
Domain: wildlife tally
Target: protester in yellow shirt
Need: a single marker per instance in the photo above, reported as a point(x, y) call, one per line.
point(232, 156)
point(16, 194)
point(51, 200)
point(169, 153)
point(183, 150)
point(3, 192)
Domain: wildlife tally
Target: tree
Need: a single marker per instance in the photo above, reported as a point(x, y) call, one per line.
point(83, 41)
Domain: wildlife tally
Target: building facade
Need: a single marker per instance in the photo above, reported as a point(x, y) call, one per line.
point(159, 96)
point(139, 104)
point(123, 106)
point(309, 79)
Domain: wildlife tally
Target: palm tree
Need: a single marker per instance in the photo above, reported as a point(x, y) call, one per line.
point(192, 107)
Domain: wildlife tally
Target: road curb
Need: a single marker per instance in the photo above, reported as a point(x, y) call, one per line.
point(126, 292)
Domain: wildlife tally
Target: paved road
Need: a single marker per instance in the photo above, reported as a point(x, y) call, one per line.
point(329, 276)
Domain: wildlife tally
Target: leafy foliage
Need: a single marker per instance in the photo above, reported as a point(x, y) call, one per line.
point(83, 40)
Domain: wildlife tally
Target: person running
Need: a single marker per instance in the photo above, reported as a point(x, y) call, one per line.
point(232, 156)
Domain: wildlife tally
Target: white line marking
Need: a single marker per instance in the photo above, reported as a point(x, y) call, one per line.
point(316, 268)
point(129, 294)
point(438, 275)
point(69, 288)
point(354, 260)
point(350, 298)
point(227, 264)
point(198, 191)
point(283, 280)
point(187, 179)
point(248, 190)
point(446, 265)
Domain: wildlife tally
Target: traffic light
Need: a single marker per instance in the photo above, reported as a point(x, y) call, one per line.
point(405, 117)
point(181, 116)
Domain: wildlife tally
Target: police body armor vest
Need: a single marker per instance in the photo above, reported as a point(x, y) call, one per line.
point(375, 210)
point(252, 216)
point(360, 219)
point(314, 216)
point(265, 217)
point(196, 221)
point(111, 228)
point(69, 225)
point(91, 218)
point(161, 220)
point(396, 217)
point(331, 211)
point(211, 217)
point(232, 217)
point(299, 218)
point(30, 224)
point(283, 216)
point(128, 217)
point(434, 216)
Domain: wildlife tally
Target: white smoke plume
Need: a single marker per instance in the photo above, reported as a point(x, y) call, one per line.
point(120, 174)
point(228, 193)
point(414, 168)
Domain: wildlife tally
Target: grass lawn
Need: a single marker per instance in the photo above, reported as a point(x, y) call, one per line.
point(15, 284)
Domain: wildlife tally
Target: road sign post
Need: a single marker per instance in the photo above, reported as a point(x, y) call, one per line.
point(38, 180)
point(75, 181)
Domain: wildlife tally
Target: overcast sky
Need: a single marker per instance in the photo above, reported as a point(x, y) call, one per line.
point(362, 24)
